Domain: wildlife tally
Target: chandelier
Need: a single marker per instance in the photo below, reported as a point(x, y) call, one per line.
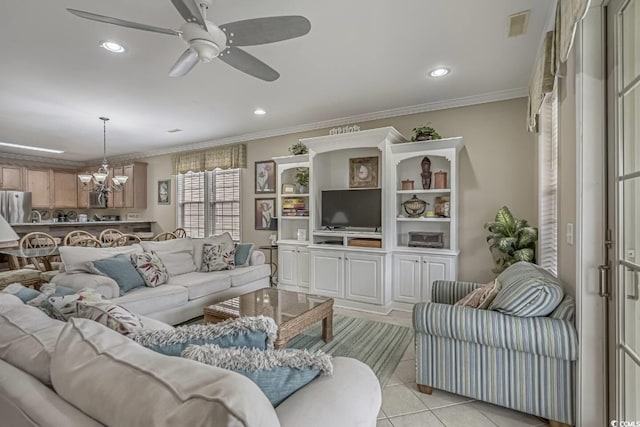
point(98, 181)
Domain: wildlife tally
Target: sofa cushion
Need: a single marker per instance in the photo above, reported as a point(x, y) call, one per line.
point(8, 299)
point(27, 339)
point(110, 315)
point(75, 258)
point(253, 332)
point(527, 291)
point(120, 269)
point(176, 254)
point(151, 268)
point(120, 383)
point(216, 257)
point(243, 254)
point(65, 307)
point(150, 300)
point(105, 286)
point(224, 239)
point(278, 373)
point(202, 284)
point(242, 276)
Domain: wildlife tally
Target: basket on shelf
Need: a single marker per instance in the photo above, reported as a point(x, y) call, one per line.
point(414, 207)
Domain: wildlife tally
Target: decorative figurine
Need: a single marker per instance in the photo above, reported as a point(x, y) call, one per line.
point(426, 173)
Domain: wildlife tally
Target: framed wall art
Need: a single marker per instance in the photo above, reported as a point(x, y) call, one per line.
point(363, 172)
point(164, 192)
point(266, 176)
point(265, 210)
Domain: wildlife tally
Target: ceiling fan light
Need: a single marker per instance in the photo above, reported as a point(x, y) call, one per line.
point(85, 178)
point(205, 49)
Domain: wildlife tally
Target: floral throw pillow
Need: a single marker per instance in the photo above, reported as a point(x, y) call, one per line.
point(110, 315)
point(151, 268)
point(216, 257)
point(481, 297)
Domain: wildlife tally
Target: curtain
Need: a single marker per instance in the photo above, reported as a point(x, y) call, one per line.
point(568, 14)
point(224, 157)
point(543, 78)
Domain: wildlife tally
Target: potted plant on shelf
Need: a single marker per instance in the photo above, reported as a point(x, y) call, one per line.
point(302, 179)
point(298, 148)
point(510, 240)
point(425, 133)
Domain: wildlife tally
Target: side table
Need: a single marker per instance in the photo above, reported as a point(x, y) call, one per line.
point(274, 265)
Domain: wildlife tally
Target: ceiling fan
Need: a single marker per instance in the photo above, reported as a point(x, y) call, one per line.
point(207, 41)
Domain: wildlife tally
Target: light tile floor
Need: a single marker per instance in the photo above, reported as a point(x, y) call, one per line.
point(404, 406)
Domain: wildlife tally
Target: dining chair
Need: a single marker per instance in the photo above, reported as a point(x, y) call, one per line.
point(167, 235)
point(86, 242)
point(40, 240)
point(126, 240)
point(180, 233)
point(72, 236)
point(109, 235)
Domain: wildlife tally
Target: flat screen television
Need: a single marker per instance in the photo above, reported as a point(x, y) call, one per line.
point(352, 208)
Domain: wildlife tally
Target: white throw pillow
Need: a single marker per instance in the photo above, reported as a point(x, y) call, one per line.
point(75, 258)
point(120, 383)
point(27, 339)
point(176, 254)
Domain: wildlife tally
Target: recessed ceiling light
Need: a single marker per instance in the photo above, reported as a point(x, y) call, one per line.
point(29, 147)
point(259, 112)
point(112, 46)
point(439, 72)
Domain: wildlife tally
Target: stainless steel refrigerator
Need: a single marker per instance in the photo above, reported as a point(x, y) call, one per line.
point(15, 206)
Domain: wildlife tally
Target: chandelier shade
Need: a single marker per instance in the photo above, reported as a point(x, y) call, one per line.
point(99, 178)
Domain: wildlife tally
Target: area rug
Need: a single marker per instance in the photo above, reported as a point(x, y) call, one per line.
point(377, 344)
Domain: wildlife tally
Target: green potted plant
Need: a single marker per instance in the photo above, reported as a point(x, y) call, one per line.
point(510, 240)
point(425, 133)
point(298, 148)
point(302, 179)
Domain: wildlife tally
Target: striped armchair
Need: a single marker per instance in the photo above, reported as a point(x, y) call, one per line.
point(523, 363)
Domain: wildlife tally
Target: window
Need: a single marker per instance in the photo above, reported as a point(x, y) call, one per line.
point(548, 184)
point(209, 202)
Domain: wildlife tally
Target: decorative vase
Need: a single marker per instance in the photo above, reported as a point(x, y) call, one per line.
point(302, 189)
point(426, 173)
point(423, 138)
point(407, 184)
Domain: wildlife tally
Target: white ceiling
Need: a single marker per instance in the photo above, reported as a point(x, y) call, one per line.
point(361, 56)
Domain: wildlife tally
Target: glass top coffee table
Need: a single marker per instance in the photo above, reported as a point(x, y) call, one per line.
point(293, 311)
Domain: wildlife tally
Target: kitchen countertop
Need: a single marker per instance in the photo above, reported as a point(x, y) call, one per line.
point(76, 223)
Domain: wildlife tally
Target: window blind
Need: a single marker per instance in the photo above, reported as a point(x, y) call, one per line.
point(209, 202)
point(548, 184)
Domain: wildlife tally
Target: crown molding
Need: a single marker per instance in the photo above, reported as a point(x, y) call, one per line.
point(48, 161)
point(502, 95)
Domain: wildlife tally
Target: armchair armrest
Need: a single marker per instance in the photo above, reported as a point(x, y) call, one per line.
point(449, 291)
point(543, 336)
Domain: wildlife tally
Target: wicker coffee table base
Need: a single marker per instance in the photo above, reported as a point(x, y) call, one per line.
point(289, 328)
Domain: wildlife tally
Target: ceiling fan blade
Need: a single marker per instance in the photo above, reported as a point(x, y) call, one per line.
point(249, 64)
point(190, 11)
point(266, 30)
point(184, 64)
point(122, 22)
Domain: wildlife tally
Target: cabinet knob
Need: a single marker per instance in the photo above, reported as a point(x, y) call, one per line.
point(346, 259)
point(417, 261)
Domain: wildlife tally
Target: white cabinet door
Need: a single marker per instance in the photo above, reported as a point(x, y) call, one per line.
point(363, 277)
point(434, 268)
point(303, 267)
point(287, 265)
point(406, 278)
point(327, 273)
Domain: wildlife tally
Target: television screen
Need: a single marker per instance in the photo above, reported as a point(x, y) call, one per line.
point(352, 208)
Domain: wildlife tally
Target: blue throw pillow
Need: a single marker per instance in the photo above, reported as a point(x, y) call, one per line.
point(243, 252)
point(250, 332)
point(278, 373)
point(120, 269)
point(25, 294)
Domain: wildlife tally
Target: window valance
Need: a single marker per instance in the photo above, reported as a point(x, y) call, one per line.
point(223, 157)
point(543, 78)
point(568, 14)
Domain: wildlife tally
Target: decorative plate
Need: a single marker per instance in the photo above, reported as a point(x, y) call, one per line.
point(72, 215)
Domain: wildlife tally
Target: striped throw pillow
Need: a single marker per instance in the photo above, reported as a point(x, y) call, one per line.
point(527, 291)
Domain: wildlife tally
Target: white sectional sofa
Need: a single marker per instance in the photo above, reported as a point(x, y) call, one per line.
point(186, 293)
point(81, 374)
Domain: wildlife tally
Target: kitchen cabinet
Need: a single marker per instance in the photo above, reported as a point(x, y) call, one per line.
point(65, 189)
point(11, 177)
point(135, 190)
point(38, 182)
